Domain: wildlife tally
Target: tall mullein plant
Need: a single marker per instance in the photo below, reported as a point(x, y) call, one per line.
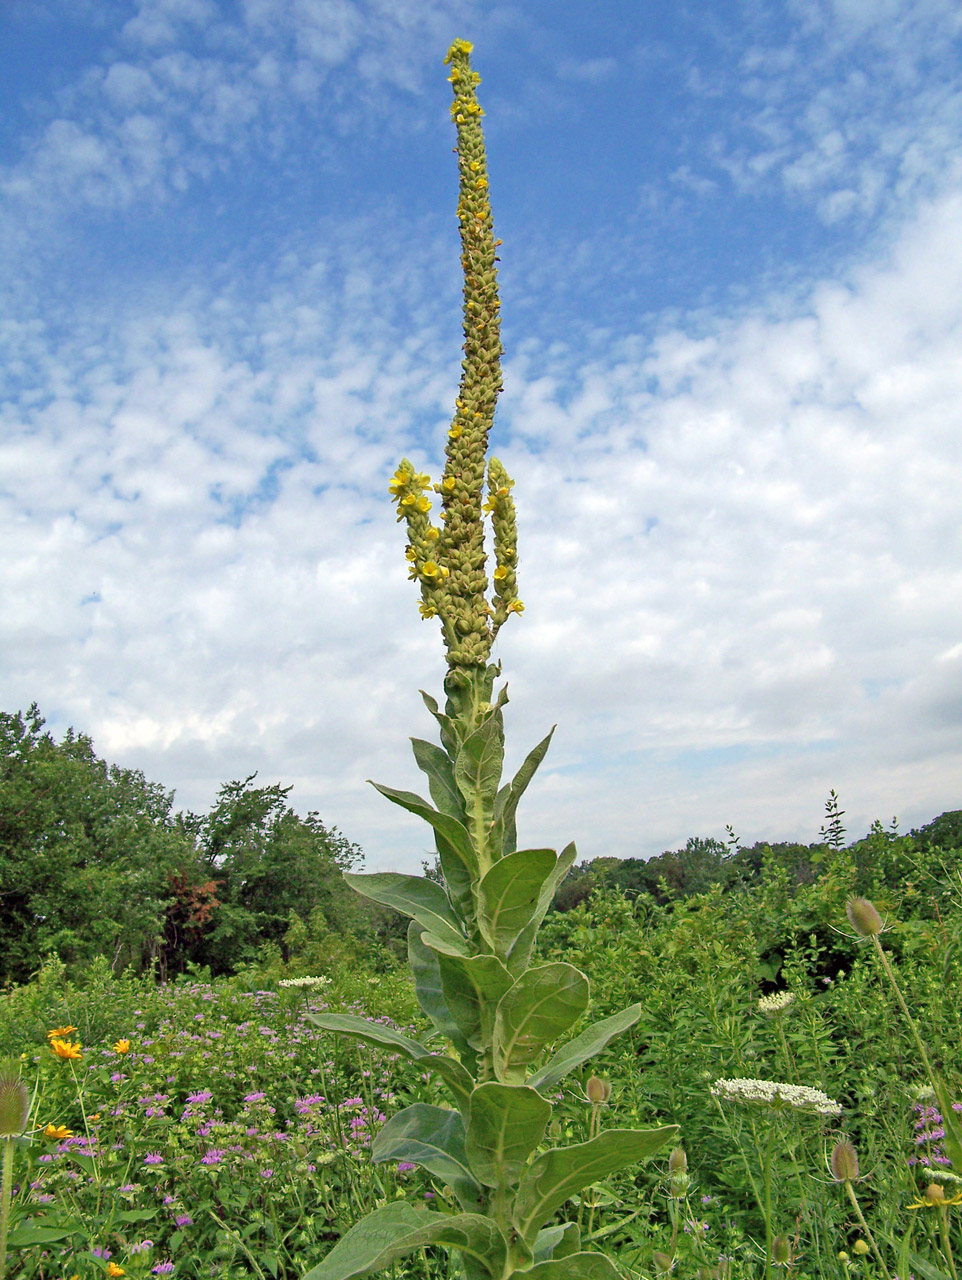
point(472, 937)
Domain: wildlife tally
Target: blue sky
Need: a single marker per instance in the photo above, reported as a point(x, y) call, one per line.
point(731, 281)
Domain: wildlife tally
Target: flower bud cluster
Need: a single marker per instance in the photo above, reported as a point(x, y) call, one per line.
point(449, 560)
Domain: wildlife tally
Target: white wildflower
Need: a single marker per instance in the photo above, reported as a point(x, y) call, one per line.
point(775, 1003)
point(775, 1094)
point(304, 982)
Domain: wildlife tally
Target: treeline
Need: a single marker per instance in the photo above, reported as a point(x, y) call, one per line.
point(95, 861)
point(880, 859)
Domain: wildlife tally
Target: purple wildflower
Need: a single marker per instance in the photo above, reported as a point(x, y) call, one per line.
point(153, 1157)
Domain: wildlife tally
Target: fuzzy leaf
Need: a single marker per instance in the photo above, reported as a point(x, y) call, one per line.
point(591, 1041)
point(436, 763)
point(477, 767)
point(505, 1125)
point(509, 895)
point(520, 954)
point(452, 1073)
point(450, 828)
point(472, 987)
point(556, 1175)
point(576, 1266)
point(547, 1240)
point(506, 802)
point(449, 738)
point(430, 995)
point(413, 896)
point(542, 1005)
point(398, 1229)
point(432, 1137)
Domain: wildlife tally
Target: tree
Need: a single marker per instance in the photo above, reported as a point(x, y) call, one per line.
point(86, 851)
point(266, 861)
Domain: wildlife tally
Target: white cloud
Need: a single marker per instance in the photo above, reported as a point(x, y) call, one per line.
point(738, 542)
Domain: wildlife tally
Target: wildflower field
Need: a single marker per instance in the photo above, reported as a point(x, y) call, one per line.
point(211, 1129)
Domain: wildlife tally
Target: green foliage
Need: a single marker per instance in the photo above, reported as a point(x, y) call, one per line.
point(86, 853)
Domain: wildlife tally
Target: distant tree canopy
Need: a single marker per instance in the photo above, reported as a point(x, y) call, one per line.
point(94, 861)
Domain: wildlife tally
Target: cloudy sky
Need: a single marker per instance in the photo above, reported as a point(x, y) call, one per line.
point(732, 295)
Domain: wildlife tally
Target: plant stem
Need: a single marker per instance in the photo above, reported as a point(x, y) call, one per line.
point(6, 1194)
point(850, 1192)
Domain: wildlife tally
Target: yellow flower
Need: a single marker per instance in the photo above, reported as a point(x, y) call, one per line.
point(398, 482)
point(427, 610)
point(500, 573)
point(408, 500)
point(424, 505)
point(448, 483)
point(57, 1131)
point(456, 432)
point(114, 1270)
point(934, 1197)
point(122, 1046)
point(95, 1117)
point(432, 533)
point(65, 1049)
point(59, 1033)
point(429, 569)
point(515, 607)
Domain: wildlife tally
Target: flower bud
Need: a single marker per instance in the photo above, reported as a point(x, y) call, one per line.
point(663, 1262)
point(861, 1247)
point(934, 1193)
point(863, 917)
point(844, 1162)
point(14, 1101)
point(598, 1090)
point(678, 1178)
point(781, 1251)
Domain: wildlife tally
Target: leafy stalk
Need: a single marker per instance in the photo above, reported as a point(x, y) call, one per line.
point(471, 939)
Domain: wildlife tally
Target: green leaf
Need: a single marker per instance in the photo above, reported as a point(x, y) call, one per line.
point(432, 1137)
point(449, 737)
point(520, 954)
point(413, 896)
point(540, 1006)
point(505, 1125)
point(591, 1041)
point(576, 1266)
point(472, 987)
point(547, 1240)
point(24, 1236)
point(478, 764)
point(506, 801)
point(398, 1229)
point(425, 965)
point(452, 1073)
point(926, 1269)
point(556, 1175)
point(951, 1123)
point(509, 895)
point(453, 832)
point(436, 763)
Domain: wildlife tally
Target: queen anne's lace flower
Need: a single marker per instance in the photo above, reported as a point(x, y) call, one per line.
point(775, 1003)
point(304, 982)
point(775, 1094)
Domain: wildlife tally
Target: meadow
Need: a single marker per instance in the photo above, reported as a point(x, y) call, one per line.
point(209, 1128)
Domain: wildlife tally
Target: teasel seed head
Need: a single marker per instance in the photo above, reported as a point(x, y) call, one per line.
point(14, 1101)
point(598, 1090)
point(844, 1162)
point(781, 1251)
point(863, 917)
